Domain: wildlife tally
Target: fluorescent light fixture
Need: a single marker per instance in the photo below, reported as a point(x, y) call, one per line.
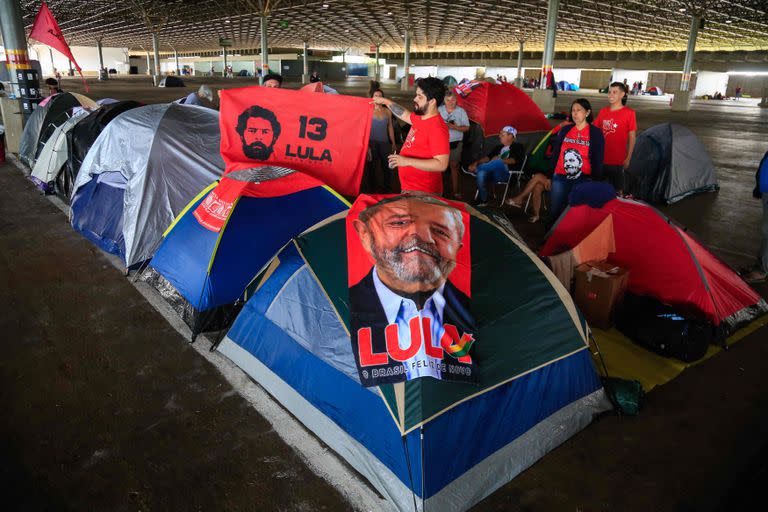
point(728, 21)
point(682, 9)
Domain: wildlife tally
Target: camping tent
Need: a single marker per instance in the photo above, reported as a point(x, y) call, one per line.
point(142, 171)
point(494, 106)
point(45, 119)
point(84, 134)
point(655, 91)
point(450, 81)
point(424, 444)
point(53, 157)
point(319, 87)
point(201, 271)
point(171, 81)
point(668, 164)
point(664, 261)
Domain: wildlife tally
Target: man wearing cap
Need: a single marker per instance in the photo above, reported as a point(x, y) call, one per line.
point(495, 167)
point(194, 97)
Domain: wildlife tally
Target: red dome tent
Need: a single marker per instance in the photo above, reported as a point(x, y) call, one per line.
point(494, 106)
point(664, 262)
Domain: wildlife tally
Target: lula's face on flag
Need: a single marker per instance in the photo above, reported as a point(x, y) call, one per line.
point(324, 137)
point(409, 277)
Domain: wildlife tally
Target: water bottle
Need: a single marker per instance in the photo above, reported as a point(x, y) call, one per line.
point(392, 165)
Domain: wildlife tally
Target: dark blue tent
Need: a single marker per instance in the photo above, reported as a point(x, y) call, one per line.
point(202, 272)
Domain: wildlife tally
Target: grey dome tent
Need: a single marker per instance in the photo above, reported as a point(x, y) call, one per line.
point(51, 113)
point(141, 172)
point(668, 164)
point(53, 157)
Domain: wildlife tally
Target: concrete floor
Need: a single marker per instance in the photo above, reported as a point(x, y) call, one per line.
point(108, 408)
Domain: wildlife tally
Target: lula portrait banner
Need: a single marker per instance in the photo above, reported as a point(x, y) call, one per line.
point(325, 137)
point(409, 275)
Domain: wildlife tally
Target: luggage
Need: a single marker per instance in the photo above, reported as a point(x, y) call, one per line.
point(660, 328)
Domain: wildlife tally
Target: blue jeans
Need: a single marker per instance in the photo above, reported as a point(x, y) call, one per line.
point(561, 188)
point(490, 173)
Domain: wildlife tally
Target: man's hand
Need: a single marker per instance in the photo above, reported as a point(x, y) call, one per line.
point(396, 160)
point(472, 167)
point(379, 100)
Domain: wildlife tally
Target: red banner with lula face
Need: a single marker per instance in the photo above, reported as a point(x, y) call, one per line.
point(322, 136)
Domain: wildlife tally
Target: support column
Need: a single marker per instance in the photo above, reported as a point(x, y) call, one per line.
point(682, 99)
point(264, 50)
point(156, 52)
point(53, 64)
point(542, 96)
point(176, 58)
point(305, 76)
point(149, 65)
point(519, 79)
point(226, 62)
point(377, 72)
point(103, 73)
point(15, 43)
point(404, 83)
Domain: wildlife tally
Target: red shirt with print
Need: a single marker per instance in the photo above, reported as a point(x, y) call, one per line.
point(428, 138)
point(574, 154)
point(616, 125)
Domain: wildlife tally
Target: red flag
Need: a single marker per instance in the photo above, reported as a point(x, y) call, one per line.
point(325, 137)
point(47, 31)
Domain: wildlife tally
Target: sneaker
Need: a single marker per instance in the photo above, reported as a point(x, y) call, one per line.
point(510, 202)
point(533, 219)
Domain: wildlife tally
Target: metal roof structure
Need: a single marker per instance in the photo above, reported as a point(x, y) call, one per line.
point(436, 25)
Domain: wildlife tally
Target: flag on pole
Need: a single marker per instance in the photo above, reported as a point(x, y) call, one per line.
point(46, 30)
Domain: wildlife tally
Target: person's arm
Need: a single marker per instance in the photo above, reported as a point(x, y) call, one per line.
point(516, 154)
point(391, 131)
point(458, 128)
point(437, 163)
point(630, 148)
point(557, 146)
point(399, 112)
point(461, 124)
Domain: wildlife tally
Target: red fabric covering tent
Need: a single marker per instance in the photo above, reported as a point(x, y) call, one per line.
point(494, 106)
point(664, 262)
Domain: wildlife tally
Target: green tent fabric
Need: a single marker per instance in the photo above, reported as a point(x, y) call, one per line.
point(545, 322)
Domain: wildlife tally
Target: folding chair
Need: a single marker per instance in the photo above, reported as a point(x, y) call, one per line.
point(516, 173)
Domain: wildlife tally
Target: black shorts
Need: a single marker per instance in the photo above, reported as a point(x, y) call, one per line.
point(614, 174)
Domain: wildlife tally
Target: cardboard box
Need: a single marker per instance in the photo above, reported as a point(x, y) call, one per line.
point(599, 287)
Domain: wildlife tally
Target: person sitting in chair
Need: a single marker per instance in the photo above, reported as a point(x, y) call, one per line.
point(495, 167)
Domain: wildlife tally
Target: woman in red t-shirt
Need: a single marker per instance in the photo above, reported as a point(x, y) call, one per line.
point(577, 153)
point(619, 126)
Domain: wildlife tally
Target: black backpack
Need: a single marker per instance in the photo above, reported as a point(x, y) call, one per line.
point(660, 328)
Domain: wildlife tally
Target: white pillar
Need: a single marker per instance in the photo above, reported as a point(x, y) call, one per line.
point(156, 52)
point(149, 65)
point(264, 51)
point(377, 72)
point(519, 79)
point(685, 82)
point(406, 62)
point(305, 76)
point(176, 58)
point(548, 57)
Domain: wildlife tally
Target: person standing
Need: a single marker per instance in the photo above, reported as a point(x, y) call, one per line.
point(458, 124)
point(738, 93)
point(619, 125)
point(381, 145)
point(424, 155)
point(759, 273)
point(577, 153)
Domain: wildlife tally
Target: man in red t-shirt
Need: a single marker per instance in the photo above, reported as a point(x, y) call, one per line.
point(424, 155)
point(619, 127)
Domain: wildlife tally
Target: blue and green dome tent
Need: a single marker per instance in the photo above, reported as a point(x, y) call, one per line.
point(204, 262)
point(424, 444)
